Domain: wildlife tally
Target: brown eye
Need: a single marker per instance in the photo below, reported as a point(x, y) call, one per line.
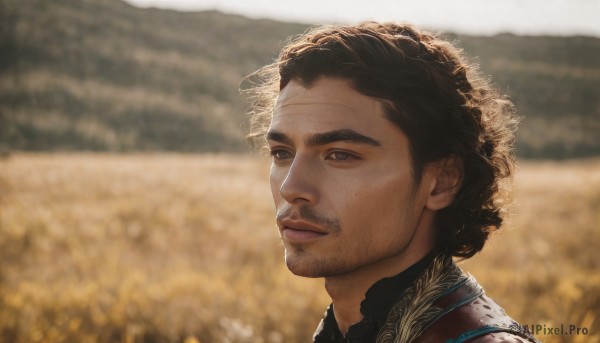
point(279, 154)
point(340, 156)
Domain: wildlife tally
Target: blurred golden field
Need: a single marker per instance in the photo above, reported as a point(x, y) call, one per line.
point(183, 248)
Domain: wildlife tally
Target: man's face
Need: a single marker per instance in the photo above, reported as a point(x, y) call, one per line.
point(341, 180)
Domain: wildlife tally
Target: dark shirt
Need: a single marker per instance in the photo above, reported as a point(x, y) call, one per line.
point(378, 302)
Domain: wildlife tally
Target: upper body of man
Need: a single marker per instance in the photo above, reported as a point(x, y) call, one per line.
point(389, 157)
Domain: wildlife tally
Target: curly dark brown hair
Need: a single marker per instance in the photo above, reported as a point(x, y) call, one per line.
point(429, 90)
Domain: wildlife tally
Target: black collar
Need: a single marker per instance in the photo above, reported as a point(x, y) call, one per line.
point(379, 299)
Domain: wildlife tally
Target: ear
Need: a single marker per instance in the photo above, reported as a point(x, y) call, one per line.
point(448, 175)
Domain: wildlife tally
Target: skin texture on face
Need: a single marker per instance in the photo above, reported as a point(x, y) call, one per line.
point(346, 201)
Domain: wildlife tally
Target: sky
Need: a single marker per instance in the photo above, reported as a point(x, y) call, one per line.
point(477, 17)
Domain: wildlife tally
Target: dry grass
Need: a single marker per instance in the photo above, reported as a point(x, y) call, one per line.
point(545, 263)
point(174, 248)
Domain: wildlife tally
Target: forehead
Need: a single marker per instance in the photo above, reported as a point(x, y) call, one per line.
point(327, 103)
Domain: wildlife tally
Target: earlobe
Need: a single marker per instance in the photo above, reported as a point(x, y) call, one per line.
point(446, 183)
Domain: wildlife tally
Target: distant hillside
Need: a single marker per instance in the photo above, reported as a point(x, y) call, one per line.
point(103, 75)
point(555, 83)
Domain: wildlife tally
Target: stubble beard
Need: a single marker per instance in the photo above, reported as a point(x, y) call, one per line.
point(299, 259)
point(314, 262)
point(302, 263)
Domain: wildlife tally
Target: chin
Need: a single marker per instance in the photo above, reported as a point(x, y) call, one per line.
point(305, 273)
point(302, 268)
point(307, 266)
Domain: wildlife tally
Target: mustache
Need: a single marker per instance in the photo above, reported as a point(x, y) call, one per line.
point(306, 213)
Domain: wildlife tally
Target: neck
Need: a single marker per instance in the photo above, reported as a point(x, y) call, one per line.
point(348, 290)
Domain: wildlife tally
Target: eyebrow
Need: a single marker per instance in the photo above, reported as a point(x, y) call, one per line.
point(323, 138)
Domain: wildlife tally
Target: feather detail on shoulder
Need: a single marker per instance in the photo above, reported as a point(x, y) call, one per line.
point(414, 310)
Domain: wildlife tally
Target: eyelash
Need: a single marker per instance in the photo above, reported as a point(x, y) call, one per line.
point(274, 153)
point(347, 155)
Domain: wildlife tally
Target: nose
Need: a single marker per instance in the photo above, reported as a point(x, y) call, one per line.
point(300, 182)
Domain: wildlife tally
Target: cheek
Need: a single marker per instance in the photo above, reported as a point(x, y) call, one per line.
point(378, 204)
